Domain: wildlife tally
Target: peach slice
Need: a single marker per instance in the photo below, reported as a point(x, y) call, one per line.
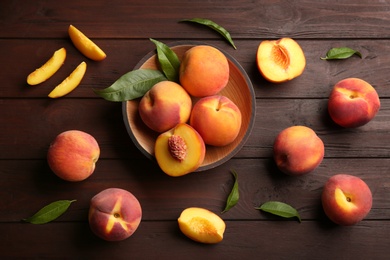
point(85, 45)
point(48, 69)
point(70, 83)
point(280, 60)
point(180, 150)
point(201, 225)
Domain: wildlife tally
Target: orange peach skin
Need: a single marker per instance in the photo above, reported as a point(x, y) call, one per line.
point(298, 150)
point(346, 199)
point(353, 102)
point(73, 154)
point(195, 151)
point(217, 119)
point(164, 106)
point(204, 71)
point(114, 214)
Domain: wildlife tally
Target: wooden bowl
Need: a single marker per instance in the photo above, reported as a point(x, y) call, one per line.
point(239, 89)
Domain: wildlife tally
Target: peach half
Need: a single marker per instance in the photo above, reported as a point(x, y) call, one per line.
point(204, 71)
point(280, 60)
point(353, 102)
point(201, 225)
point(298, 150)
point(180, 150)
point(164, 106)
point(217, 119)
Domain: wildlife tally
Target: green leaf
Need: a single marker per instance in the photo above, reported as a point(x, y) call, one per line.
point(234, 194)
point(131, 85)
point(50, 212)
point(168, 60)
point(213, 26)
point(280, 209)
point(340, 53)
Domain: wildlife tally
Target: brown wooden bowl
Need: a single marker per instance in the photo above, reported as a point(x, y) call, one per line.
point(239, 89)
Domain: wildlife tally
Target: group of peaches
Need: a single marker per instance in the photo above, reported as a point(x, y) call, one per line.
point(184, 132)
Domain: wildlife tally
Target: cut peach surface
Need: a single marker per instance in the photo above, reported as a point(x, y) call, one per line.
point(85, 45)
point(201, 225)
point(280, 60)
point(70, 83)
point(180, 150)
point(48, 69)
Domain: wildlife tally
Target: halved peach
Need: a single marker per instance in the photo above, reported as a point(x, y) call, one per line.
point(85, 45)
point(201, 225)
point(180, 150)
point(48, 69)
point(280, 60)
point(70, 83)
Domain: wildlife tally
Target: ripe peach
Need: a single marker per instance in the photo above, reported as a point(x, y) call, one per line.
point(114, 214)
point(180, 150)
point(280, 60)
point(346, 199)
point(353, 102)
point(164, 106)
point(298, 150)
point(204, 71)
point(217, 119)
point(201, 225)
point(72, 155)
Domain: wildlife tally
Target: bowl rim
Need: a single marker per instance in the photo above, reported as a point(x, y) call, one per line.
point(249, 86)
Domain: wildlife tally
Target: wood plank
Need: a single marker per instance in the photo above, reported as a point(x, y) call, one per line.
point(29, 185)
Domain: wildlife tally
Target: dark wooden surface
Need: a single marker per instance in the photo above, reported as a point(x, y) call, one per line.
point(32, 30)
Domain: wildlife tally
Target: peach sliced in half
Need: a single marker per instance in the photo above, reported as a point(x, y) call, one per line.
point(70, 83)
point(280, 60)
point(85, 45)
point(180, 150)
point(48, 69)
point(201, 225)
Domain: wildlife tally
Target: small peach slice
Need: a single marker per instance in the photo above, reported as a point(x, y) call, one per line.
point(280, 60)
point(70, 83)
point(180, 150)
point(201, 225)
point(85, 45)
point(48, 69)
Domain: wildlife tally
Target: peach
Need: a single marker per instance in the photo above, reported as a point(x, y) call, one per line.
point(114, 214)
point(73, 154)
point(280, 60)
point(204, 71)
point(298, 150)
point(353, 102)
point(164, 106)
point(85, 45)
point(201, 225)
point(48, 69)
point(70, 82)
point(346, 199)
point(180, 150)
point(217, 119)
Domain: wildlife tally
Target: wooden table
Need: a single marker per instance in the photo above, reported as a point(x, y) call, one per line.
point(32, 30)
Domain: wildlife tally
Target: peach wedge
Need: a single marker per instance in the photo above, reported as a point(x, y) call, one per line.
point(180, 150)
point(85, 45)
point(70, 83)
point(48, 69)
point(280, 60)
point(201, 225)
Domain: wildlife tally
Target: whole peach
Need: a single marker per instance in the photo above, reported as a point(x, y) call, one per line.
point(298, 150)
point(114, 214)
point(353, 102)
point(346, 199)
point(217, 119)
point(164, 106)
point(204, 71)
point(73, 154)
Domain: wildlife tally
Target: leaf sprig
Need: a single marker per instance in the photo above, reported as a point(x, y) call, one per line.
point(340, 53)
point(280, 209)
point(234, 194)
point(50, 212)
